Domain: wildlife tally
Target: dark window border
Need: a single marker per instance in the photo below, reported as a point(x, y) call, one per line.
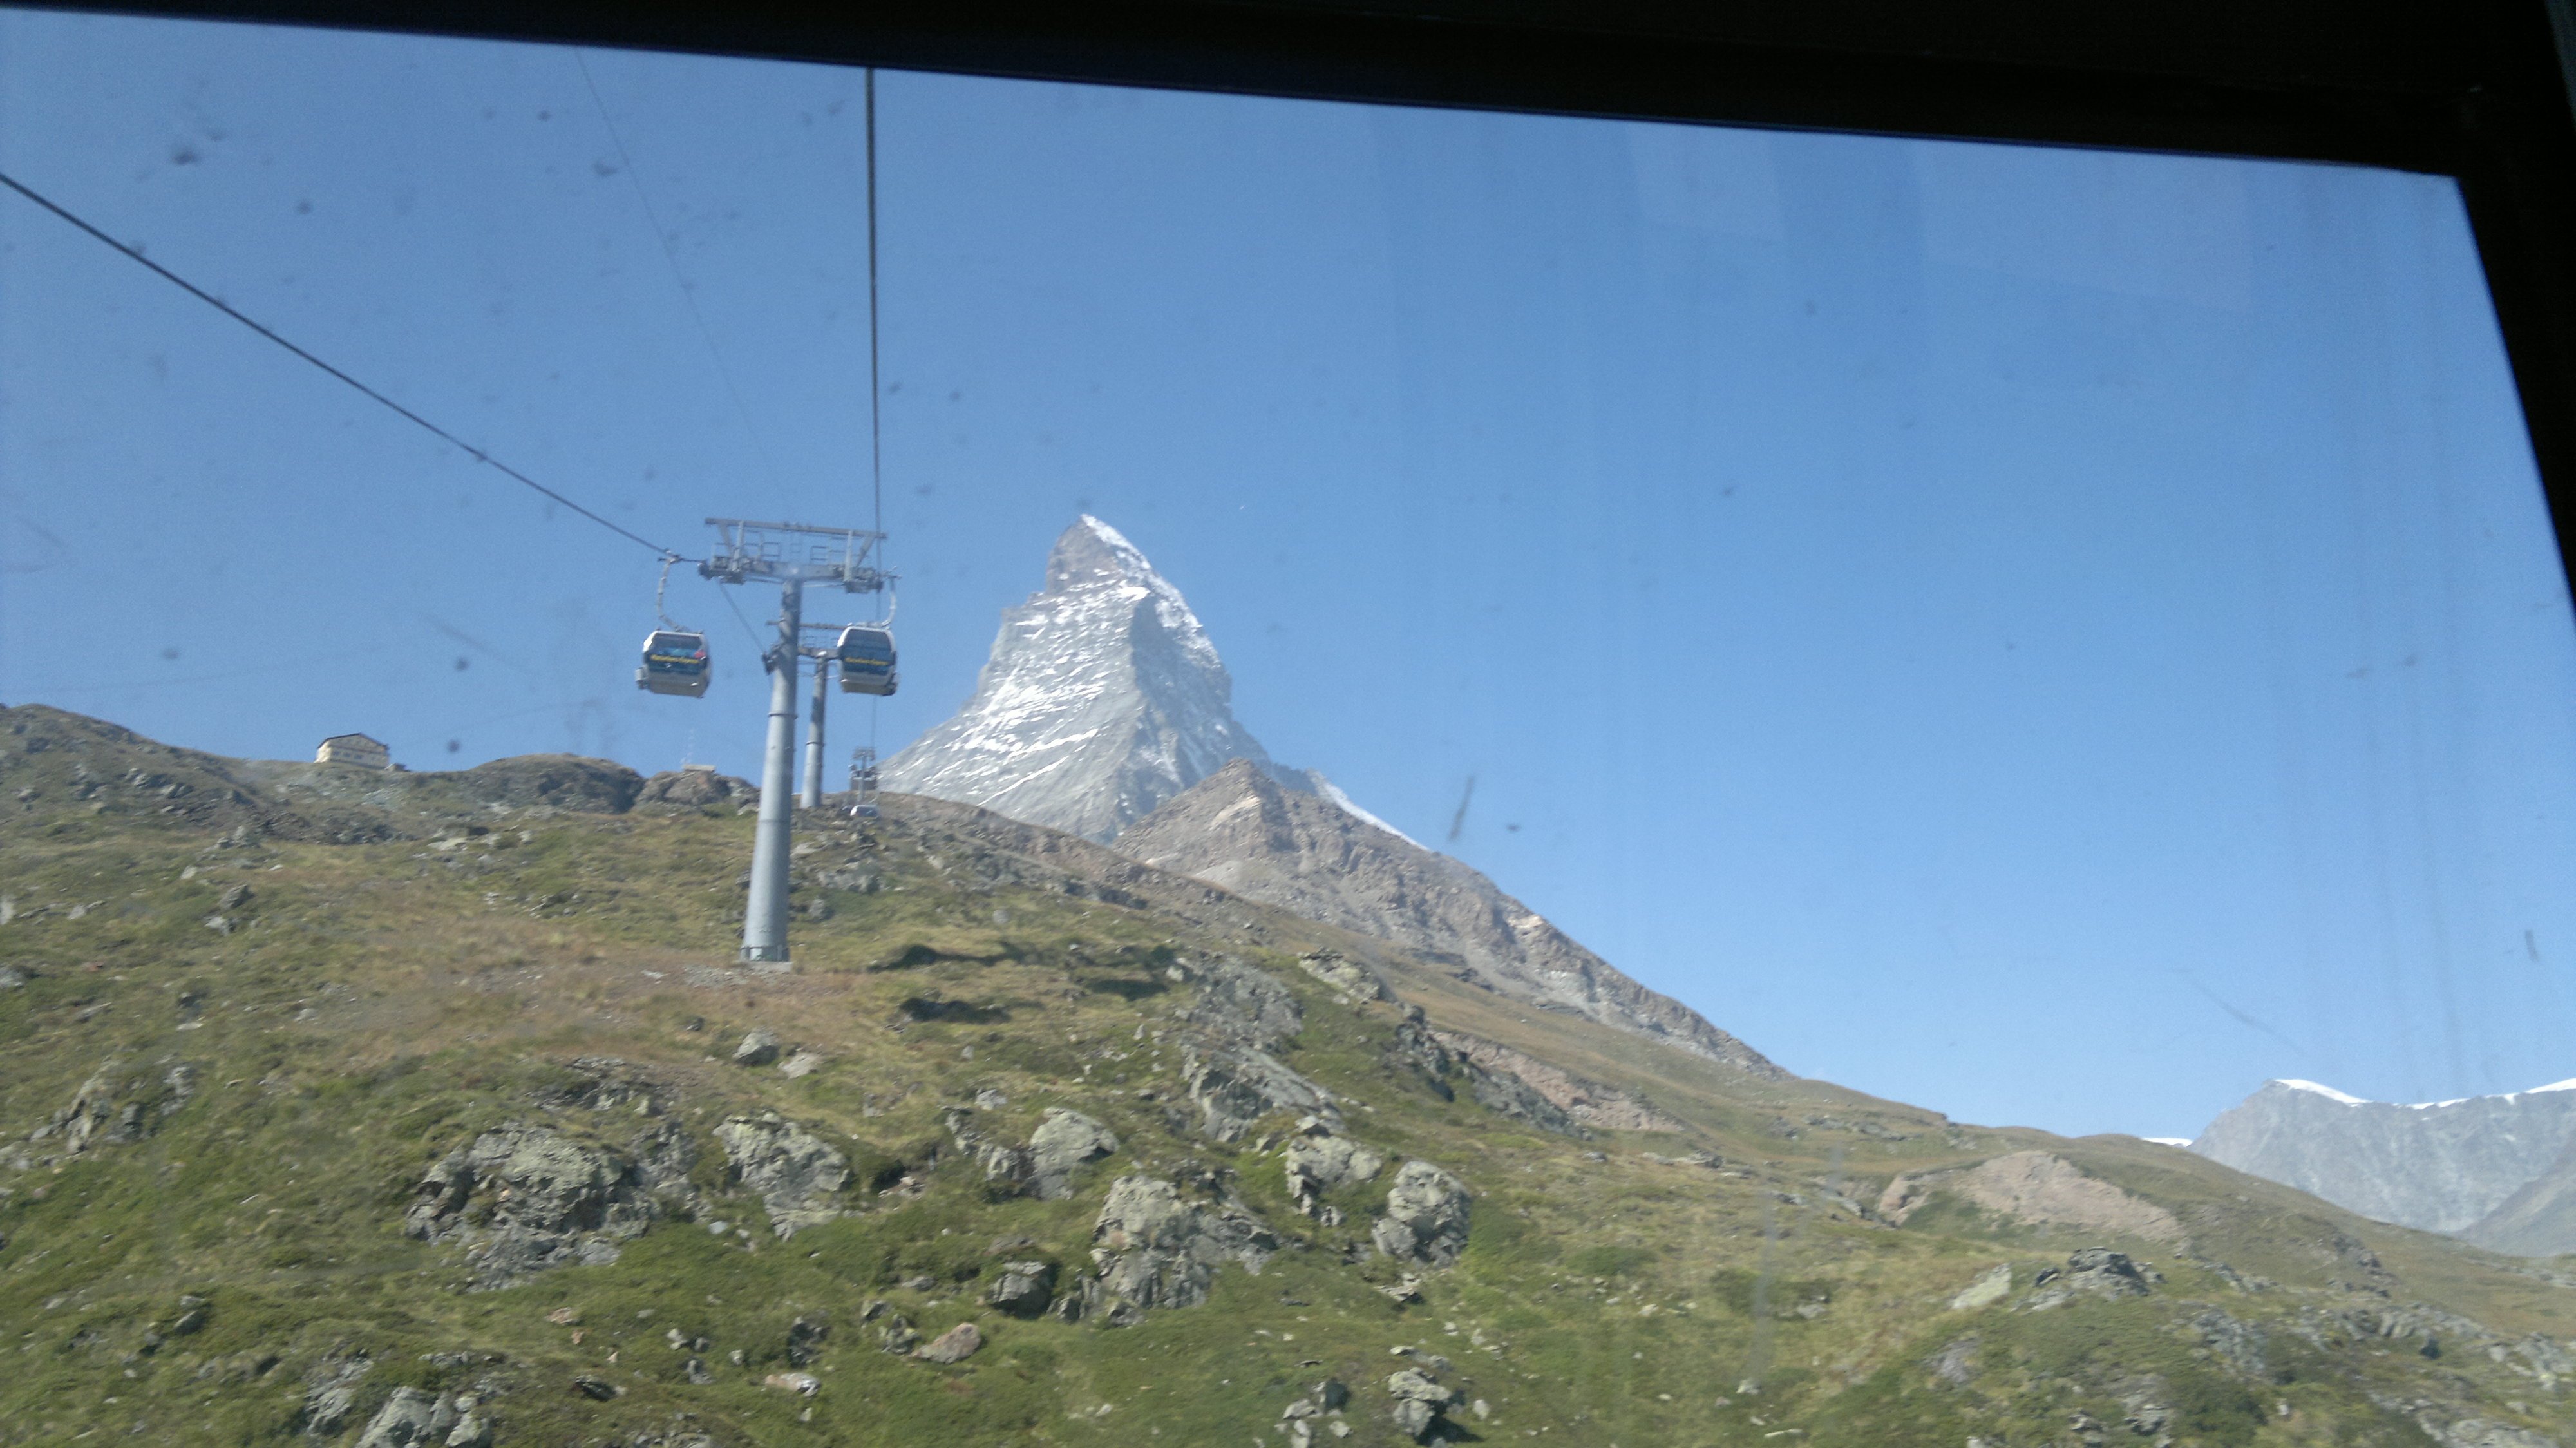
point(2476, 89)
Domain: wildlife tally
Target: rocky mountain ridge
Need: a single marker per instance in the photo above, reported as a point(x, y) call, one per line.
point(1240, 829)
point(2496, 1170)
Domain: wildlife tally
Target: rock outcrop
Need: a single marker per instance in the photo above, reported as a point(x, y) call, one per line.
point(1155, 1247)
point(697, 788)
point(1421, 1405)
point(526, 1198)
point(1023, 1289)
point(1317, 1161)
point(2091, 1272)
point(1426, 1216)
point(411, 1418)
point(1586, 1103)
point(1064, 1140)
point(798, 1175)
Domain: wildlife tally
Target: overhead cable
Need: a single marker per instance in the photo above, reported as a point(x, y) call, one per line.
point(688, 294)
point(219, 304)
point(876, 390)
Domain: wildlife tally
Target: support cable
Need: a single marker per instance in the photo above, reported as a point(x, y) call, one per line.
point(876, 388)
point(687, 294)
point(748, 631)
point(220, 305)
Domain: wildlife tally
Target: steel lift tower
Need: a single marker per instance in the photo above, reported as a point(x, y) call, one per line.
point(790, 555)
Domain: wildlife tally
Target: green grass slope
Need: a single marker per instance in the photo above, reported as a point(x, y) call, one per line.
point(246, 1008)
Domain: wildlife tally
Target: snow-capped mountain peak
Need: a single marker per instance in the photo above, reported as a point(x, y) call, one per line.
point(1103, 698)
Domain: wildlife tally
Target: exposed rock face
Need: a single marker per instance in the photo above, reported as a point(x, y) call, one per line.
point(758, 1047)
point(528, 1198)
point(1426, 1216)
point(1506, 1094)
point(797, 1174)
point(411, 1417)
point(1241, 829)
point(1236, 1015)
point(2460, 1167)
point(1103, 698)
point(1065, 1139)
point(1236, 1088)
point(2036, 1187)
point(1156, 1248)
point(1316, 1161)
point(694, 789)
point(1587, 1102)
point(2091, 1272)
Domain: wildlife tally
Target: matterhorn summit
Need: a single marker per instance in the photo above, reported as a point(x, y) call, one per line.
point(1103, 698)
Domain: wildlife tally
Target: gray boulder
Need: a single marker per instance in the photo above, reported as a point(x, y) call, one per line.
point(797, 1174)
point(411, 1417)
point(2091, 1272)
point(1316, 1161)
point(759, 1047)
point(953, 1346)
point(1024, 1289)
point(1420, 1403)
point(1426, 1216)
point(1155, 1248)
point(1063, 1141)
point(529, 1198)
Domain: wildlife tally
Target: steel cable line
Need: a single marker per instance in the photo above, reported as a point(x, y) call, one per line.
point(227, 308)
point(705, 334)
point(876, 387)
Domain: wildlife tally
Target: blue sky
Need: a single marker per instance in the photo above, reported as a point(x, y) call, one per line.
point(2057, 637)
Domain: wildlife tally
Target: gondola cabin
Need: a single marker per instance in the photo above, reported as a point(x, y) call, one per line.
point(675, 662)
point(867, 660)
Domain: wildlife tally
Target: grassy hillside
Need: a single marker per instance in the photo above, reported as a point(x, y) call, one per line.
point(248, 1009)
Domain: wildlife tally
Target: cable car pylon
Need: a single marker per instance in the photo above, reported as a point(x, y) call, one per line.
point(791, 555)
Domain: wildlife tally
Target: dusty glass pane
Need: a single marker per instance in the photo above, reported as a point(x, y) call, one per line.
point(2056, 639)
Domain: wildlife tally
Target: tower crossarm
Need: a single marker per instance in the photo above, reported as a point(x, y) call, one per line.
point(747, 551)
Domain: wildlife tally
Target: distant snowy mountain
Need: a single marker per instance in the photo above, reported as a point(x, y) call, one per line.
point(1104, 704)
point(1103, 698)
point(2496, 1170)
